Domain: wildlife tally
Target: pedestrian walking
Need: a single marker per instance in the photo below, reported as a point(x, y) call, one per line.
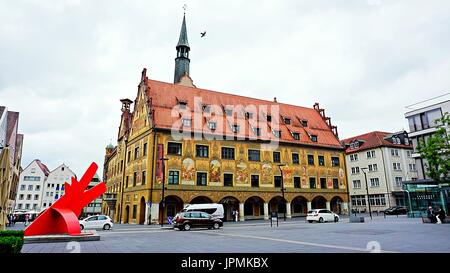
point(237, 216)
point(431, 215)
point(441, 214)
point(27, 217)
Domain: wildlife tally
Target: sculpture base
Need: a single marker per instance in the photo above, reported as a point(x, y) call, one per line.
point(91, 235)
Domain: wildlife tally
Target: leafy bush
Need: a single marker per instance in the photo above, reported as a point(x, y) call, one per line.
point(11, 241)
point(7, 233)
point(11, 244)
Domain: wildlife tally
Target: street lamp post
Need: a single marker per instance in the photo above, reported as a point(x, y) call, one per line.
point(163, 202)
point(283, 189)
point(367, 191)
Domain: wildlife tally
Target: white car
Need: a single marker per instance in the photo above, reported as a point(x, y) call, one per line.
point(96, 222)
point(321, 215)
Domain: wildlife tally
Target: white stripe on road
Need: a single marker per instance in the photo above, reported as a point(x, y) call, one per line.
point(295, 242)
point(133, 232)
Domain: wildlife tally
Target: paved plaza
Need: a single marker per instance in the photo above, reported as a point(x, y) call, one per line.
point(390, 234)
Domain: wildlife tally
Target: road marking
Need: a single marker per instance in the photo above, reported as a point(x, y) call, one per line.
point(295, 242)
point(133, 232)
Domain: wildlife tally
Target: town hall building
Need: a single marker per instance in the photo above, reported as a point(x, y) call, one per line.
point(178, 144)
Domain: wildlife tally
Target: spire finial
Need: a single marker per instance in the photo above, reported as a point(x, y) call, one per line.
point(184, 8)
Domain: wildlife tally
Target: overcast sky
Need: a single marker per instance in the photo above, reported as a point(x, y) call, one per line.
point(64, 65)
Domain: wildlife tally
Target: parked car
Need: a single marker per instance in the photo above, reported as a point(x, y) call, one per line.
point(321, 215)
point(396, 210)
point(194, 219)
point(96, 222)
point(216, 210)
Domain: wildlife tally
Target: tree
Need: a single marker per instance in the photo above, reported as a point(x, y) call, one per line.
point(436, 151)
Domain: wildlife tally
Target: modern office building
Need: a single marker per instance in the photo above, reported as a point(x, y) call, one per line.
point(95, 207)
point(424, 191)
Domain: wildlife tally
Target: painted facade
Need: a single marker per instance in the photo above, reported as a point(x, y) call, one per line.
point(241, 158)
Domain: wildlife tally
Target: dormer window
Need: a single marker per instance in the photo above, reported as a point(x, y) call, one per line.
point(287, 120)
point(235, 128)
point(212, 125)
point(354, 145)
point(269, 118)
point(186, 122)
point(304, 123)
point(396, 140)
point(296, 136)
point(249, 115)
point(257, 131)
point(206, 108)
point(313, 138)
point(277, 133)
point(182, 104)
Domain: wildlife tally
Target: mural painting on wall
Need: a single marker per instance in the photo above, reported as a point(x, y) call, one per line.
point(304, 184)
point(241, 173)
point(266, 173)
point(341, 178)
point(188, 170)
point(287, 173)
point(329, 183)
point(214, 173)
point(304, 171)
point(159, 162)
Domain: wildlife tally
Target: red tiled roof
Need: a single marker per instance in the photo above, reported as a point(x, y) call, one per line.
point(43, 167)
point(164, 97)
point(371, 140)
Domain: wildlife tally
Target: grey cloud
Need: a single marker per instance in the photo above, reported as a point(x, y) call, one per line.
point(65, 64)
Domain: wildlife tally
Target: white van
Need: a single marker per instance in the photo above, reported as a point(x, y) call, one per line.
point(216, 210)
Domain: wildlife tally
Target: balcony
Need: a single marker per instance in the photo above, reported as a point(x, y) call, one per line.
point(110, 199)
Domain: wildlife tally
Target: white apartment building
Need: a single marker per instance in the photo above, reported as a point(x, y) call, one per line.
point(386, 159)
point(31, 182)
point(54, 186)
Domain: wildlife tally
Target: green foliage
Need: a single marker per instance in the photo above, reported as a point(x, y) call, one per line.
point(11, 244)
point(437, 151)
point(7, 233)
point(11, 241)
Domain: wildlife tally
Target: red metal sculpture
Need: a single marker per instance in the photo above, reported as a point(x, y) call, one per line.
point(62, 216)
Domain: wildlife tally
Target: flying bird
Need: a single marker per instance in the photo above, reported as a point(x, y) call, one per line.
point(203, 34)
